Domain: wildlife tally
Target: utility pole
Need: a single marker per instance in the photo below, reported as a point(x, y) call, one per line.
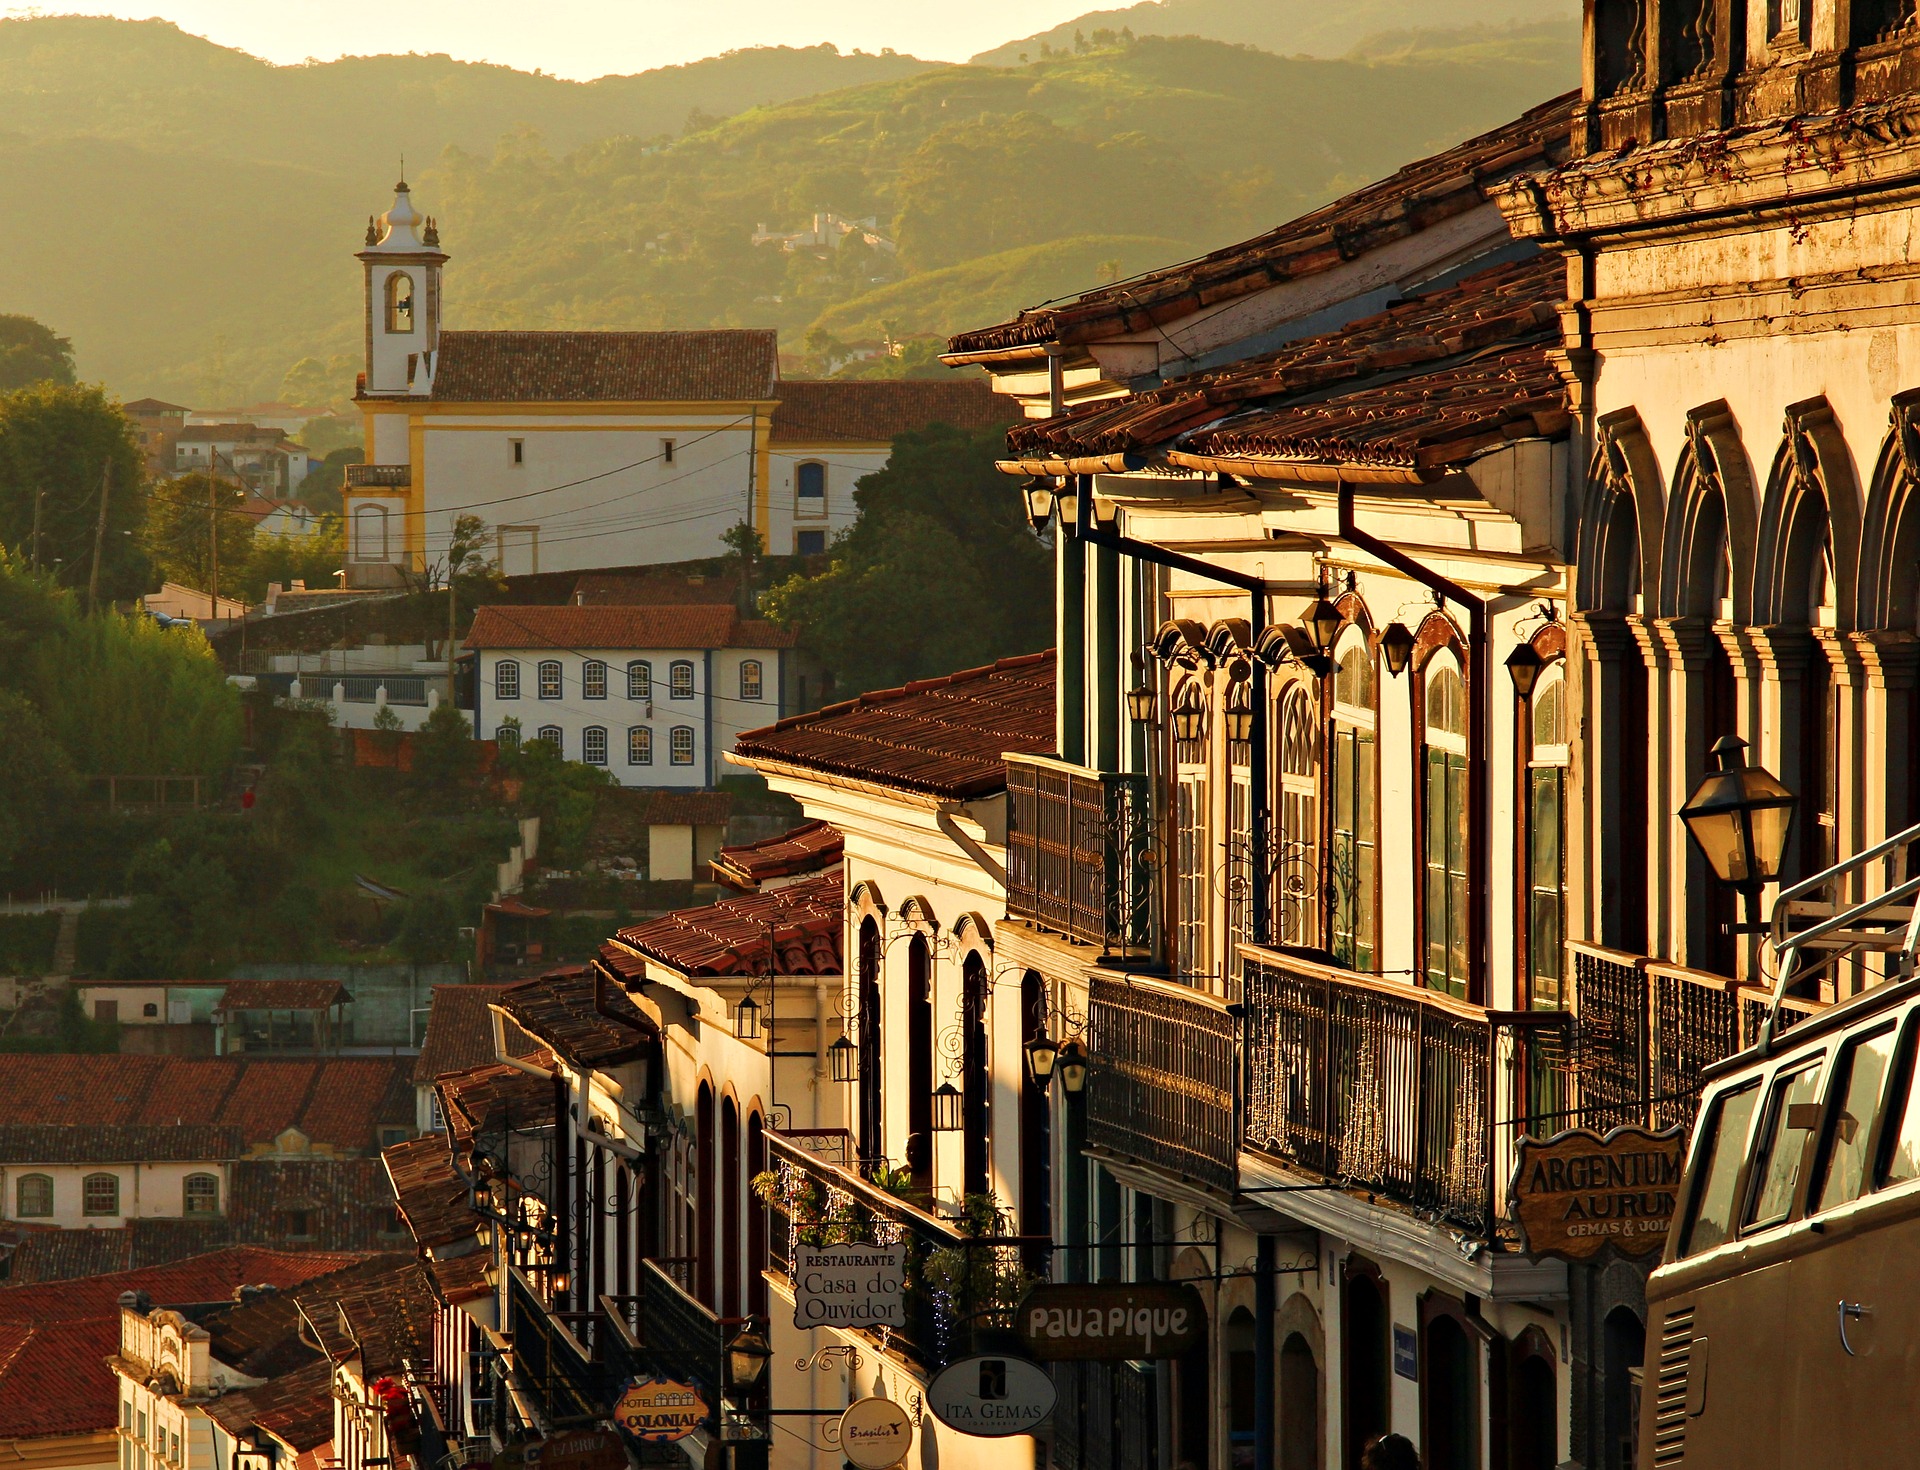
point(213, 546)
point(39, 499)
point(453, 549)
point(99, 535)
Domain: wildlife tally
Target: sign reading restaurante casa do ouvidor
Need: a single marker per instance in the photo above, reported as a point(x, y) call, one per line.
point(1576, 1193)
point(849, 1286)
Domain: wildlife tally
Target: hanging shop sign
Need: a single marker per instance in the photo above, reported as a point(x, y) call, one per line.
point(1110, 1323)
point(875, 1434)
point(659, 1411)
point(578, 1449)
point(1577, 1193)
point(992, 1397)
point(849, 1286)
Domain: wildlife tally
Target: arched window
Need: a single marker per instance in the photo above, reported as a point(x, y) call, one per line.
point(33, 1196)
point(680, 679)
point(1240, 856)
point(1299, 1405)
point(640, 680)
point(1353, 857)
point(680, 745)
point(506, 679)
point(1036, 1118)
point(1546, 837)
point(593, 679)
point(507, 736)
point(732, 1244)
point(593, 745)
point(872, 1084)
point(369, 533)
point(639, 746)
point(550, 678)
point(201, 1195)
point(1446, 812)
point(976, 996)
point(920, 1063)
point(551, 734)
point(399, 302)
point(750, 679)
point(1297, 896)
point(1195, 893)
point(100, 1194)
point(810, 489)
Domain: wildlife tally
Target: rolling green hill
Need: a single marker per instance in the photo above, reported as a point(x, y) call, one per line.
point(193, 232)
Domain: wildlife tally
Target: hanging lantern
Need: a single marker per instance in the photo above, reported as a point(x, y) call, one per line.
point(1239, 721)
point(1323, 622)
point(1739, 817)
point(1041, 1055)
point(746, 1019)
point(1039, 498)
point(948, 1109)
point(1523, 667)
point(1071, 1064)
point(1142, 704)
point(1396, 647)
point(843, 1061)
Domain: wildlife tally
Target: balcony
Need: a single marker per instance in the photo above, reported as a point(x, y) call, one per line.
point(379, 476)
point(1160, 1091)
point(816, 1201)
point(1077, 853)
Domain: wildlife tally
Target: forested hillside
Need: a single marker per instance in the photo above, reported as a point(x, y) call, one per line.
point(188, 215)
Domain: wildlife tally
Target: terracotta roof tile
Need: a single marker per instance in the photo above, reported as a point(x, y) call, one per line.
point(1445, 368)
point(431, 1195)
point(805, 849)
point(281, 995)
point(484, 1102)
point(558, 1009)
point(592, 629)
point(879, 412)
point(944, 737)
point(802, 921)
point(124, 1143)
point(460, 1032)
point(345, 1202)
point(296, 1408)
point(606, 367)
point(1417, 197)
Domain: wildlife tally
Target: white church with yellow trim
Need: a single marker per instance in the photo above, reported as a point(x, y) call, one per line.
point(588, 450)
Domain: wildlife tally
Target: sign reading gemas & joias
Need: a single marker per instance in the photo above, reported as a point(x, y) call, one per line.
point(849, 1286)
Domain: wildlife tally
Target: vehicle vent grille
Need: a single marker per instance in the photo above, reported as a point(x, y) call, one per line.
point(1670, 1407)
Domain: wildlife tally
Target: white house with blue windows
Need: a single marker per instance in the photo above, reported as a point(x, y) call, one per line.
point(656, 695)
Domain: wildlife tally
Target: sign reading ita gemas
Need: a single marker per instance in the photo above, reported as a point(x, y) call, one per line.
point(1109, 1323)
point(1577, 1193)
point(849, 1286)
point(991, 1397)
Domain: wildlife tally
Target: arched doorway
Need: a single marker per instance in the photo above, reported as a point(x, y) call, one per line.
point(1193, 1404)
point(975, 1097)
point(872, 1142)
point(1241, 1391)
point(1299, 1405)
point(1036, 1118)
point(920, 1062)
point(1365, 1361)
point(1533, 1408)
point(1449, 1394)
point(703, 1246)
point(730, 1209)
point(1624, 1348)
point(756, 1262)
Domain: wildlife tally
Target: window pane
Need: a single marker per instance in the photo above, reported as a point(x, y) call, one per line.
point(1864, 1065)
point(593, 680)
point(1791, 1120)
point(1721, 1154)
point(1904, 1161)
point(593, 745)
point(640, 746)
point(639, 680)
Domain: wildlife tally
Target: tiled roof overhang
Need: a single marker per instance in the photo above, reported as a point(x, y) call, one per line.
point(801, 922)
point(559, 1010)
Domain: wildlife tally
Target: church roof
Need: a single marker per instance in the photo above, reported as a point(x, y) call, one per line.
point(720, 365)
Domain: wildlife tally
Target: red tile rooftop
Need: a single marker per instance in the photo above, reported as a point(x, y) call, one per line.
point(801, 921)
point(942, 737)
point(806, 849)
point(558, 1009)
point(687, 626)
point(729, 366)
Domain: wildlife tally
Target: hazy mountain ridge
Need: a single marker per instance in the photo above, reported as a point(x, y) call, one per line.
point(202, 257)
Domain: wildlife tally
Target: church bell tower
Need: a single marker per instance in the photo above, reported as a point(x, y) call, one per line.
point(403, 260)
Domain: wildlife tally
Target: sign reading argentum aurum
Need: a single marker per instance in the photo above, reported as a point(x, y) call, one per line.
point(1576, 1193)
point(849, 1286)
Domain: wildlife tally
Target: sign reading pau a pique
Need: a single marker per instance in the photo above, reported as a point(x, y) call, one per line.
point(1109, 1323)
point(1577, 1193)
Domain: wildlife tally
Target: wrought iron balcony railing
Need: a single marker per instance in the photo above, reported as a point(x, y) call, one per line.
point(679, 1335)
point(1078, 853)
point(379, 476)
point(1161, 1088)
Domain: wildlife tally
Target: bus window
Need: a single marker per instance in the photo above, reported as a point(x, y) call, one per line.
point(1903, 1122)
point(1863, 1073)
point(1722, 1151)
point(1793, 1117)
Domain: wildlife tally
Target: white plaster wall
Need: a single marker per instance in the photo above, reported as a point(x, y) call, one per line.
point(147, 1192)
point(845, 465)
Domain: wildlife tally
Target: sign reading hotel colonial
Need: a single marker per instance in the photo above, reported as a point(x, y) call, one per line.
point(658, 1411)
point(991, 1397)
point(1109, 1323)
point(849, 1286)
point(1576, 1193)
point(875, 1434)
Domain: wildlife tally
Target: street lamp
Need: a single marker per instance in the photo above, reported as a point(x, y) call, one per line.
point(1739, 817)
point(746, 1019)
point(1189, 716)
point(843, 1061)
point(1523, 667)
point(1239, 721)
point(1396, 647)
point(1323, 622)
point(1039, 496)
point(747, 1358)
point(1071, 1064)
point(948, 1111)
point(1142, 704)
point(1042, 1053)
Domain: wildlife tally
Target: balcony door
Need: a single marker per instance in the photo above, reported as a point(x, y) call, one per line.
point(1445, 809)
point(872, 1084)
point(920, 1063)
point(975, 1095)
point(1365, 1361)
point(1353, 864)
point(1296, 910)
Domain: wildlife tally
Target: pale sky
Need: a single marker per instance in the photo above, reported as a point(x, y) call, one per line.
point(590, 38)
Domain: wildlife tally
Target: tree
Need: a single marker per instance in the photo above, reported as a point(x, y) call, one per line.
point(39, 781)
point(939, 572)
point(59, 445)
point(445, 758)
point(182, 532)
point(30, 353)
point(312, 556)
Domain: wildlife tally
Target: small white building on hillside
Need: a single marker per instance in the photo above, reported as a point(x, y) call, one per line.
point(656, 695)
